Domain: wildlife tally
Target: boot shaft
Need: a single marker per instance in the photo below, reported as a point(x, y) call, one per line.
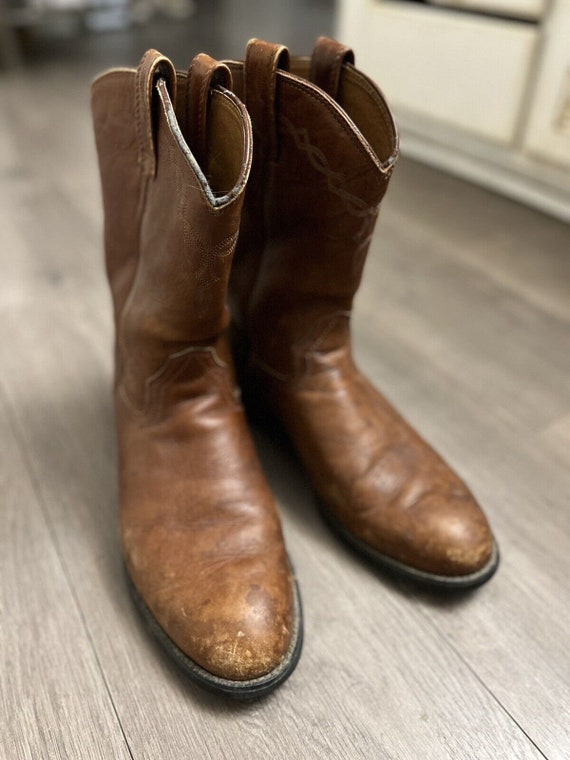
point(174, 166)
point(322, 162)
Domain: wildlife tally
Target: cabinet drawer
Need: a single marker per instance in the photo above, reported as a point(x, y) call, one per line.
point(548, 131)
point(469, 72)
point(527, 9)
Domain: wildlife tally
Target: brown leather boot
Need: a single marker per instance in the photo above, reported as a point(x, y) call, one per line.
point(201, 536)
point(325, 145)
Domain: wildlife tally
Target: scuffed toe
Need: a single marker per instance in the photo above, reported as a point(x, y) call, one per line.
point(454, 537)
point(242, 634)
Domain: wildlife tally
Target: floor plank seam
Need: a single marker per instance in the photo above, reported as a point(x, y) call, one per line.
point(36, 487)
point(480, 680)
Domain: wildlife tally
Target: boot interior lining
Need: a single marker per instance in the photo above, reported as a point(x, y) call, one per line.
point(225, 149)
point(225, 145)
point(358, 97)
point(365, 106)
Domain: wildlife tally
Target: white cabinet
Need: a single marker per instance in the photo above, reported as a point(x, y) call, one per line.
point(547, 133)
point(481, 95)
point(524, 9)
point(466, 70)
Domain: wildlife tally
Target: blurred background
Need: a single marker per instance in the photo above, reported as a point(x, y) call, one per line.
point(481, 88)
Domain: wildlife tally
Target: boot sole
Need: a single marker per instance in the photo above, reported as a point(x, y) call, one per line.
point(241, 690)
point(401, 570)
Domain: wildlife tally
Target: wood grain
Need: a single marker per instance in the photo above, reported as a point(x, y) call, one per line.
point(55, 702)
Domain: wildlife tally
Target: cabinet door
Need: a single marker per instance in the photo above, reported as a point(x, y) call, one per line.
point(527, 9)
point(548, 132)
point(466, 71)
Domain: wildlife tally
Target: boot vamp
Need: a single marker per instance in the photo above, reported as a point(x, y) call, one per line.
point(376, 475)
point(201, 536)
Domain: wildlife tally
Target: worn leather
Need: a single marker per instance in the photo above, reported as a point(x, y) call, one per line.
point(309, 215)
point(200, 532)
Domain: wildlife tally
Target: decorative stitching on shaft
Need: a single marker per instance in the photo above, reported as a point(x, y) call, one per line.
point(353, 204)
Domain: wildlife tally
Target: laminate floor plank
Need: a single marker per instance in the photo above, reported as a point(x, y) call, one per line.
point(517, 247)
point(504, 353)
point(555, 439)
point(59, 134)
point(55, 703)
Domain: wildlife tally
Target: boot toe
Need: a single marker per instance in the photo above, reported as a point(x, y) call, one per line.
point(244, 650)
point(247, 641)
point(429, 527)
point(240, 635)
point(452, 537)
point(440, 537)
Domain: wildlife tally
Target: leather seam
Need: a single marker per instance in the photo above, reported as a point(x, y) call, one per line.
point(308, 352)
point(202, 117)
point(188, 352)
point(121, 332)
point(334, 73)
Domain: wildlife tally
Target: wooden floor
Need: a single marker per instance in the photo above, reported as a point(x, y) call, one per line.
point(463, 321)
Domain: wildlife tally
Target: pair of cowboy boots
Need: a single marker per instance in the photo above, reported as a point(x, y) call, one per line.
point(201, 209)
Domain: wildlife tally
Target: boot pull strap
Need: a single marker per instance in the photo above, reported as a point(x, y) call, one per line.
point(204, 72)
point(152, 66)
point(262, 60)
point(326, 64)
